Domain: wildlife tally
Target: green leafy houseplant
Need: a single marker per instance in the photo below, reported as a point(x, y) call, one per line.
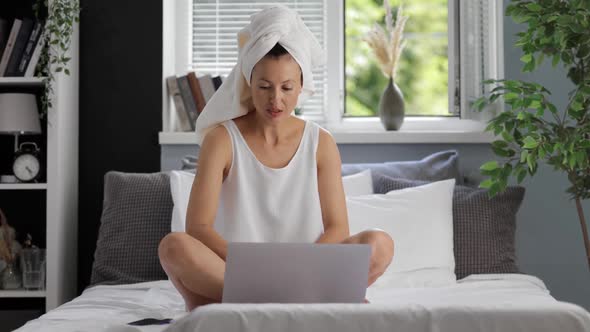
point(59, 26)
point(531, 128)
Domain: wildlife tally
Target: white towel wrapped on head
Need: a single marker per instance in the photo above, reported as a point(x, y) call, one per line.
point(272, 25)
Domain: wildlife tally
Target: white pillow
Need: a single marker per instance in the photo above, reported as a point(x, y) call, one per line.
point(358, 184)
point(181, 183)
point(420, 221)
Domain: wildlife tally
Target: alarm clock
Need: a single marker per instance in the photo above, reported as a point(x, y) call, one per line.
point(27, 166)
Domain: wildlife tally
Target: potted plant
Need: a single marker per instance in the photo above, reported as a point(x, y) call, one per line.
point(60, 17)
point(531, 128)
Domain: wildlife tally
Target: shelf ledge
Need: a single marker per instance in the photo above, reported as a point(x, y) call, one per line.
point(18, 293)
point(23, 186)
point(21, 81)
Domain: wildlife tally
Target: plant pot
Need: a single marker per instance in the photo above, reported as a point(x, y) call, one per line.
point(392, 107)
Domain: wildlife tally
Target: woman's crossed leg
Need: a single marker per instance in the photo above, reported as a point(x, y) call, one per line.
point(197, 272)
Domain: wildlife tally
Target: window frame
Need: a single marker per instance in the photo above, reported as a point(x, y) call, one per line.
point(176, 59)
point(465, 119)
point(176, 48)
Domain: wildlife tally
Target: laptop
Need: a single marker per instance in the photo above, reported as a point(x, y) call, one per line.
point(296, 273)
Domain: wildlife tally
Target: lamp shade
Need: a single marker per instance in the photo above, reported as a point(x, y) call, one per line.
point(19, 114)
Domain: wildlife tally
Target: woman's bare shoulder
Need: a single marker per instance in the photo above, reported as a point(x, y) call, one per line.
point(217, 134)
point(327, 147)
point(217, 145)
point(326, 140)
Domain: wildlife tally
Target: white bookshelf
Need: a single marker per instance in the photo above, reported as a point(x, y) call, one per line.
point(61, 224)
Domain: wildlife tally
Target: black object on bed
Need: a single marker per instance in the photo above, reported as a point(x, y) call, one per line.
point(151, 321)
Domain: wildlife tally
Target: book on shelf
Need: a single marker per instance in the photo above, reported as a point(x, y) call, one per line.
point(207, 87)
point(20, 44)
point(32, 63)
point(189, 102)
point(174, 92)
point(217, 82)
point(9, 45)
point(29, 49)
point(196, 91)
point(4, 33)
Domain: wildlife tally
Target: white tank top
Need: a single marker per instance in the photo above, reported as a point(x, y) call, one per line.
point(262, 204)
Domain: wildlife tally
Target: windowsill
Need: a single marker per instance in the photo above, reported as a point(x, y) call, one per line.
point(429, 130)
point(414, 130)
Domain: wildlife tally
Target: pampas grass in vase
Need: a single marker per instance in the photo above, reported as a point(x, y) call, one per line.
point(10, 276)
point(6, 236)
point(387, 45)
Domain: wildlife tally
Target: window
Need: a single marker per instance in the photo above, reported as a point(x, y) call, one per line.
point(452, 45)
point(215, 24)
point(422, 74)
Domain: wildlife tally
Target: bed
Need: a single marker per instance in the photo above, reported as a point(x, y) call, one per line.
point(480, 289)
point(490, 302)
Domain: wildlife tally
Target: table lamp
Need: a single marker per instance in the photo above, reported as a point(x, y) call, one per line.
point(19, 115)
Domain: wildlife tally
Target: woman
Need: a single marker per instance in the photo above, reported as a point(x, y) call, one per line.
point(264, 175)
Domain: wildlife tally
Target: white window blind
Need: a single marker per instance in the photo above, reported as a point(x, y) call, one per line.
point(215, 24)
point(481, 51)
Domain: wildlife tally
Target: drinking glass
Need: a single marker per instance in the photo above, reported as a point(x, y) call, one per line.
point(33, 268)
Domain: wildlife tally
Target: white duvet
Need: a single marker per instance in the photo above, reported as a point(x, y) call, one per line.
point(493, 302)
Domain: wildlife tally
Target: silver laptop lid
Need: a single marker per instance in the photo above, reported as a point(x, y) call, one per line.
point(296, 273)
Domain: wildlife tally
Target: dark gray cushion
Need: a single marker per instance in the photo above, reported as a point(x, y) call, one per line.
point(136, 215)
point(483, 228)
point(435, 167)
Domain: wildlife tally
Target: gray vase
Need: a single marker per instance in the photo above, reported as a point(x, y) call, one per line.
point(391, 107)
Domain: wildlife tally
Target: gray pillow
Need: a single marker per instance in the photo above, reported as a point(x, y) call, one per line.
point(189, 162)
point(136, 215)
point(435, 167)
point(483, 228)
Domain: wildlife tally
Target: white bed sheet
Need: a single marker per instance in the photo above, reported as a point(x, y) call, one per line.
point(495, 302)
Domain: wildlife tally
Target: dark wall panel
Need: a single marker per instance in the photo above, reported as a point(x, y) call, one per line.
point(120, 104)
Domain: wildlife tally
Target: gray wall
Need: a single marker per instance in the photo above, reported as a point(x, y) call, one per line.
point(549, 240)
